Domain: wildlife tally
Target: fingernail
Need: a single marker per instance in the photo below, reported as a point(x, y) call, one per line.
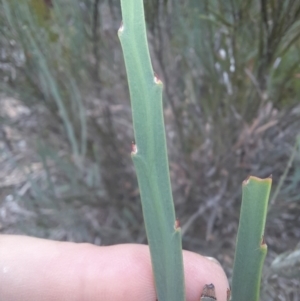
point(213, 260)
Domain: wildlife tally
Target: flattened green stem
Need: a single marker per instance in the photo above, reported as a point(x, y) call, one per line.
point(251, 249)
point(150, 156)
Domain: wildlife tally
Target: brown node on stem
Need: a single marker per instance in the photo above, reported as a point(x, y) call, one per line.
point(177, 224)
point(157, 79)
point(209, 291)
point(121, 28)
point(245, 182)
point(263, 242)
point(133, 148)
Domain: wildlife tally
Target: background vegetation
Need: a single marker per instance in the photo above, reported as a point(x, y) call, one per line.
point(231, 72)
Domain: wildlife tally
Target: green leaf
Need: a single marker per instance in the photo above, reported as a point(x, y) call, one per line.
point(150, 156)
point(251, 248)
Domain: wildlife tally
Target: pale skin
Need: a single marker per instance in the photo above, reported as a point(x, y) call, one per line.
point(33, 269)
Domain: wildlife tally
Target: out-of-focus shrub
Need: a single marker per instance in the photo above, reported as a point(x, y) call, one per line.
point(231, 83)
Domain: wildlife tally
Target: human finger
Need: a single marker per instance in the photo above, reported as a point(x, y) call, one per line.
point(43, 270)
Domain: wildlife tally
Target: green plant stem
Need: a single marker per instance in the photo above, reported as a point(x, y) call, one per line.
point(287, 169)
point(251, 248)
point(150, 156)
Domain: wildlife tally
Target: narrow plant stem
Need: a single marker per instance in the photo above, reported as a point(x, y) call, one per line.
point(284, 175)
point(251, 248)
point(149, 155)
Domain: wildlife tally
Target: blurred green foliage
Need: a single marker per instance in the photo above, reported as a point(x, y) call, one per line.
point(231, 72)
